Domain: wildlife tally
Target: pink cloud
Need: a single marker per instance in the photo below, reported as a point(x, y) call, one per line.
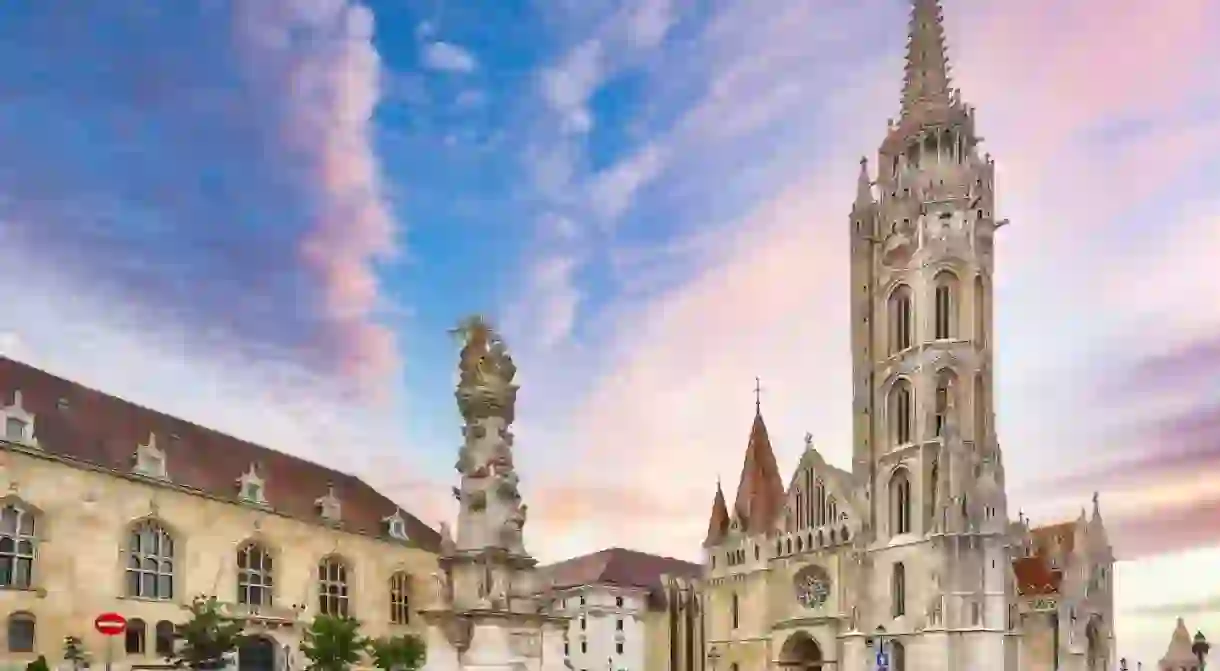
point(332, 89)
point(674, 409)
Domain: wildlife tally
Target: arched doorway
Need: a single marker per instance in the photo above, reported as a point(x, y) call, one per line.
point(256, 653)
point(800, 653)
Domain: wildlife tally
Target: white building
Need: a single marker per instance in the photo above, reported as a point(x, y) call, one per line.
point(622, 616)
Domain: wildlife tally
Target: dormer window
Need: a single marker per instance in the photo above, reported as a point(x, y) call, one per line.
point(251, 487)
point(18, 424)
point(396, 526)
point(150, 460)
point(329, 506)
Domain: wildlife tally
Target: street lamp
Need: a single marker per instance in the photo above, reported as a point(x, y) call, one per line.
point(1200, 648)
point(1122, 664)
point(713, 656)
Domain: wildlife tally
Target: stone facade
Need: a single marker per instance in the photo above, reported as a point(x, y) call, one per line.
point(910, 556)
point(144, 532)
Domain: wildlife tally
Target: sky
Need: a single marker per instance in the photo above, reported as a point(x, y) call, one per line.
point(264, 217)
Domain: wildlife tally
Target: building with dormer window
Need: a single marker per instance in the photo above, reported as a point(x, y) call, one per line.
point(111, 507)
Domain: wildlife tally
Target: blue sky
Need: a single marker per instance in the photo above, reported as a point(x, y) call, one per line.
point(265, 216)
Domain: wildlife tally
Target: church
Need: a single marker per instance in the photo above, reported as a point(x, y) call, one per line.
point(908, 559)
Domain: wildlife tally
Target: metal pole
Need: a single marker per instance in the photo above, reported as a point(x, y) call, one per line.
point(109, 651)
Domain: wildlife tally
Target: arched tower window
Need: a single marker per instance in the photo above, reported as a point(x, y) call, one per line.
point(980, 409)
point(980, 313)
point(255, 576)
point(820, 510)
point(945, 301)
point(734, 612)
point(901, 410)
point(900, 502)
point(332, 587)
point(18, 545)
point(832, 511)
point(898, 590)
point(901, 318)
point(945, 382)
point(150, 561)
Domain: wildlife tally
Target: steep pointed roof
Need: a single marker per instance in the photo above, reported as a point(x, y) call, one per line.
point(760, 494)
point(718, 524)
point(1179, 652)
point(927, 65)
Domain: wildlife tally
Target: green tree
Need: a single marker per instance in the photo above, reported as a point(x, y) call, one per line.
point(398, 653)
point(74, 652)
point(206, 638)
point(39, 664)
point(333, 643)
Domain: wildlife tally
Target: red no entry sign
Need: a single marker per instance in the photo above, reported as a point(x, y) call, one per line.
point(110, 624)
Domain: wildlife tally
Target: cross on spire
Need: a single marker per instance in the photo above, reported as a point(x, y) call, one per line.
point(757, 396)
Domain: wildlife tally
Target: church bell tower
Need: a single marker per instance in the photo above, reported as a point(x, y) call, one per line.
point(922, 262)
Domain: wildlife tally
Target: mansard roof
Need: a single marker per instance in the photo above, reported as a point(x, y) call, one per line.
point(619, 567)
point(760, 493)
point(86, 426)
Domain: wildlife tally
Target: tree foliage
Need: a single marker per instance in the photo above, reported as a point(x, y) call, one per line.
point(207, 637)
point(398, 653)
point(74, 652)
point(333, 643)
point(39, 664)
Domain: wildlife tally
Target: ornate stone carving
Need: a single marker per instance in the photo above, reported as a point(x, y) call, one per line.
point(442, 590)
point(812, 586)
point(459, 631)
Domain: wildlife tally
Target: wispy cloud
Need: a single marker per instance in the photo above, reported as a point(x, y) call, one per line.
point(448, 57)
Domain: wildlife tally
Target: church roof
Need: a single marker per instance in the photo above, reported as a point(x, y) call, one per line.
point(85, 426)
point(1179, 652)
point(760, 493)
point(926, 80)
point(719, 522)
point(1055, 538)
point(619, 567)
point(1035, 577)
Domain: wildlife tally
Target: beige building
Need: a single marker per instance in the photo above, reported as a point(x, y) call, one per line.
point(629, 611)
point(111, 507)
point(908, 560)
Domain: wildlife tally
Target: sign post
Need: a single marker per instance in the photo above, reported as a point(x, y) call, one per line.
point(883, 660)
point(110, 625)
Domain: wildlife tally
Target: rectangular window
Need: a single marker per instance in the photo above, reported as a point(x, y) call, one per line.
point(582, 623)
point(584, 646)
point(618, 647)
point(618, 601)
point(618, 624)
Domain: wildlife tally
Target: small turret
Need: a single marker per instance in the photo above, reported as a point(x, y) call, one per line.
point(864, 191)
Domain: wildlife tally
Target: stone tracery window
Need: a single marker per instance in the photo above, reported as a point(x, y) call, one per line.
point(332, 587)
point(18, 545)
point(255, 576)
point(901, 319)
point(898, 590)
point(945, 304)
point(900, 502)
point(400, 598)
point(902, 415)
point(150, 561)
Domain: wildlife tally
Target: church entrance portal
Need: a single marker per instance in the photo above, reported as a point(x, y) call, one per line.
point(256, 653)
point(801, 653)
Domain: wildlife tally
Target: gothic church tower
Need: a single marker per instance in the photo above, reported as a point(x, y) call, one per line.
point(924, 439)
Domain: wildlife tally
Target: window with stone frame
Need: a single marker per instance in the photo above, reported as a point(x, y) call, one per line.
point(163, 634)
point(898, 590)
point(22, 628)
point(255, 575)
point(18, 545)
point(150, 562)
point(134, 637)
point(400, 598)
point(333, 595)
point(14, 429)
point(901, 318)
point(902, 415)
point(900, 502)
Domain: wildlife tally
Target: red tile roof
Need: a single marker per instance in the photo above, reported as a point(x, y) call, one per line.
point(619, 567)
point(83, 425)
point(1035, 576)
point(760, 494)
point(719, 522)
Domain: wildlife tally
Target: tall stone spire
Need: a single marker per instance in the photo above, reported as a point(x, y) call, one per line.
point(927, 68)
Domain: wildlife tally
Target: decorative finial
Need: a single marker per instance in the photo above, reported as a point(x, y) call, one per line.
point(1096, 503)
point(808, 441)
point(757, 396)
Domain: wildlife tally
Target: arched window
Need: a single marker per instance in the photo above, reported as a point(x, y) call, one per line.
point(901, 319)
point(945, 381)
point(902, 415)
point(150, 562)
point(332, 587)
point(819, 510)
point(400, 598)
point(832, 511)
point(18, 541)
point(980, 409)
point(21, 630)
point(900, 502)
point(734, 613)
point(980, 312)
point(898, 656)
point(933, 477)
point(898, 589)
point(255, 576)
point(133, 637)
point(164, 633)
point(946, 305)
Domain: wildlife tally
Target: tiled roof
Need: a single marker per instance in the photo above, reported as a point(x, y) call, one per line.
point(1060, 536)
point(1035, 576)
point(619, 567)
point(718, 524)
point(760, 494)
point(84, 425)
